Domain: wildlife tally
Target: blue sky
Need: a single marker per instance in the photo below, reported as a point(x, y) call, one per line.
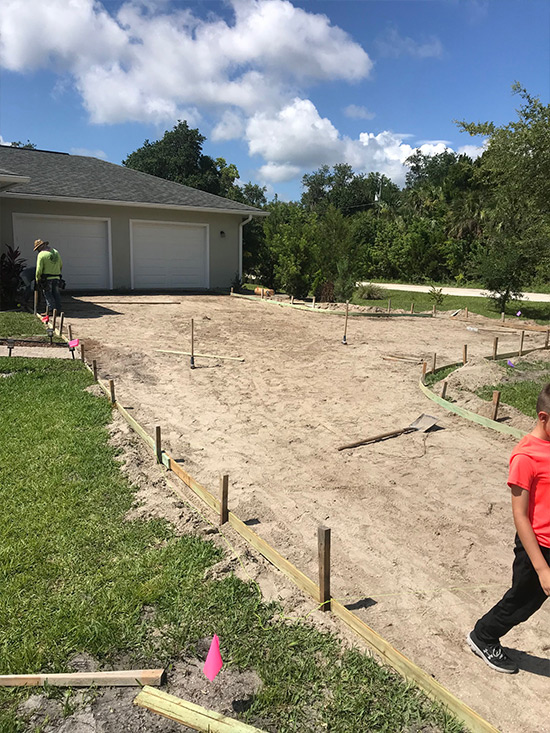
point(279, 88)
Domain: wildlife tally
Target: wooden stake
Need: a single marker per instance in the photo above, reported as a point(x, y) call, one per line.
point(465, 353)
point(291, 300)
point(192, 363)
point(466, 312)
point(424, 369)
point(502, 316)
point(231, 291)
point(112, 391)
point(495, 348)
point(389, 305)
point(54, 319)
point(94, 369)
point(521, 337)
point(158, 444)
point(62, 318)
point(323, 543)
point(70, 332)
point(496, 402)
point(122, 678)
point(313, 302)
point(412, 307)
point(433, 309)
point(434, 357)
point(35, 302)
point(82, 352)
point(224, 495)
point(547, 337)
point(444, 389)
point(344, 340)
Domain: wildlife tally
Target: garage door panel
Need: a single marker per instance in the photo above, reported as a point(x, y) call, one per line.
point(82, 244)
point(167, 255)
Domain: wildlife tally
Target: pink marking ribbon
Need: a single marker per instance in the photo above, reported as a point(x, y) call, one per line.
point(214, 661)
point(73, 344)
point(518, 313)
point(45, 319)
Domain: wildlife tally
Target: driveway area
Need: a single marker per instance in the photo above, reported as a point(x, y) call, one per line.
point(422, 529)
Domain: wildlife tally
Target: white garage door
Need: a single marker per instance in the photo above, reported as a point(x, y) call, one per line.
point(82, 243)
point(169, 255)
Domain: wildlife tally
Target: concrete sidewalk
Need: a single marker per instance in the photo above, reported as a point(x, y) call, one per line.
point(471, 292)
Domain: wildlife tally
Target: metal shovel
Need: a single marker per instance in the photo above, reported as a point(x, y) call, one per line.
point(422, 424)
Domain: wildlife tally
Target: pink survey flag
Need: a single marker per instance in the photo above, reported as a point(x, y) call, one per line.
point(518, 313)
point(45, 319)
point(73, 344)
point(213, 662)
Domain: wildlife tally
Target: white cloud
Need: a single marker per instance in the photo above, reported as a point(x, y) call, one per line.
point(230, 127)
point(277, 173)
point(473, 151)
point(89, 153)
point(148, 63)
point(358, 113)
point(394, 45)
point(297, 139)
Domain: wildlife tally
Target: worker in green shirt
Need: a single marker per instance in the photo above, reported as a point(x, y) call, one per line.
point(48, 273)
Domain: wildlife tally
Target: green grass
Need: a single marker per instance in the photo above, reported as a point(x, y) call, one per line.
point(522, 386)
point(14, 325)
point(76, 577)
point(439, 375)
point(540, 312)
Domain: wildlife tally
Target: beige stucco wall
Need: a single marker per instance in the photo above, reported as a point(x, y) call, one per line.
point(224, 251)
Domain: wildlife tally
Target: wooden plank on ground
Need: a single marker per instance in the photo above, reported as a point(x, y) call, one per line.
point(136, 426)
point(189, 714)
point(116, 678)
point(205, 495)
point(203, 356)
point(280, 562)
point(409, 670)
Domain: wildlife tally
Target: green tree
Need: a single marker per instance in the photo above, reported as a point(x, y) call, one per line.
point(513, 172)
point(290, 235)
point(178, 157)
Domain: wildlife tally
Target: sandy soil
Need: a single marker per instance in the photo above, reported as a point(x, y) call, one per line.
point(421, 524)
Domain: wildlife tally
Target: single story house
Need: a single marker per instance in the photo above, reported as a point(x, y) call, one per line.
point(118, 228)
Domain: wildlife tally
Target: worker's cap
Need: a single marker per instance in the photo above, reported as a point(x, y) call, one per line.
point(38, 243)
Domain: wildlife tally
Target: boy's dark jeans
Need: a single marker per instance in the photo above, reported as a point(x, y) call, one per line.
point(519, 603)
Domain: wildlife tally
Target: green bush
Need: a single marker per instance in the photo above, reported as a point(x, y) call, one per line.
point(372, 291)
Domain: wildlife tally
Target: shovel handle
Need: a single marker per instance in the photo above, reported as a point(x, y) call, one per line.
point(374, 437)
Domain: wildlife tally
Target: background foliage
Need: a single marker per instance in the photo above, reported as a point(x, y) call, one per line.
point(456, 220)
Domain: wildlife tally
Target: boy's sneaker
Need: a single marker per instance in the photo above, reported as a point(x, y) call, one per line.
point(493, 654)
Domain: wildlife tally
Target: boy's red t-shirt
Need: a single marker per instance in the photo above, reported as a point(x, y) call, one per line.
point(530, 470)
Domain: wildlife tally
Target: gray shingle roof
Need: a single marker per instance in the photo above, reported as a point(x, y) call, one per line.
point(77, 176)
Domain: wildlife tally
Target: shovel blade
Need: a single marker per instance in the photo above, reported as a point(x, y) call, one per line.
point(423, 423)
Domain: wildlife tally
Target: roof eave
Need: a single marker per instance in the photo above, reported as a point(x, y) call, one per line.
point(8, 181)
point(142, 204)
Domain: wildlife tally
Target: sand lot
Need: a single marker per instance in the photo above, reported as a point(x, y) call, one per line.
point(421, 524)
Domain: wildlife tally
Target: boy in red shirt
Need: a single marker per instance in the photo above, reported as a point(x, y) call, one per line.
point(529, 481)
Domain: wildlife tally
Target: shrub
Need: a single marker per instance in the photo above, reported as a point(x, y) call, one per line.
point(371, 291)
point(11, 267)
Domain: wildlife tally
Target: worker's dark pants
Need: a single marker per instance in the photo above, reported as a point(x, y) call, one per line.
point(519, 603)
point(50, 288)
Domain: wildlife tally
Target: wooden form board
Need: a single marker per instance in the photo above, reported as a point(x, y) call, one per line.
point(116, 678)
point(389, 654)
point(473, 416)
point(486, 422)
point(189, 714)
point(385, 314)
point(412, 672)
